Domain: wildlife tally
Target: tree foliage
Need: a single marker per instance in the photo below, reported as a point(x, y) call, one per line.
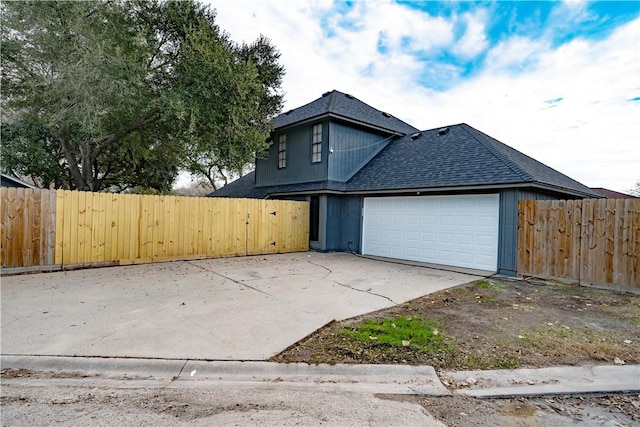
point(121, 94)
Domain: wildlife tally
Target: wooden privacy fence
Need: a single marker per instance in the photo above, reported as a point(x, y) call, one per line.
point(593, 241)
point(66, 228)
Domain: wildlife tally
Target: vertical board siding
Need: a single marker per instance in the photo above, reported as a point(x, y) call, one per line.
point(508, 228)
point(299, 167)
point(27, 233)
point(42, 227)
point(344, 214)
point(351, 150)
point(594, 241)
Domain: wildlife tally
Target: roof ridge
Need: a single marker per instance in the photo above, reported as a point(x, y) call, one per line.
point(344, 106)
point(488, 143)
point(332, 97)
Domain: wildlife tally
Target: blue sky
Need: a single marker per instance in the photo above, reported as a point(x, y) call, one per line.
point(559, 81)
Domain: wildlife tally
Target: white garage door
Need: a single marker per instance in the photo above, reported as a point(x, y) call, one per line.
point(451, 230)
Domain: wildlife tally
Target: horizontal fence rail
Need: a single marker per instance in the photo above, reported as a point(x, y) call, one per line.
point(73, 228)
point(593, 241)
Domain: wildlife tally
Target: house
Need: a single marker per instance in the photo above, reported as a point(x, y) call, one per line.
point(378, 186)
point(11, 181)
point(611, 194)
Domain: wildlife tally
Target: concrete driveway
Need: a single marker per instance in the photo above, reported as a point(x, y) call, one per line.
point(219, 309)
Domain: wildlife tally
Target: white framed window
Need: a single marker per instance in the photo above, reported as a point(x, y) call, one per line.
point(282, 152)
point(316, 144)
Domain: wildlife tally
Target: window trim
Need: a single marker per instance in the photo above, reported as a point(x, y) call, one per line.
point(282, 151)
point(316, 143)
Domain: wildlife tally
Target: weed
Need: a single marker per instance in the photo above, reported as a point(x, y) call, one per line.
point(402, 331)
point(565, 289)
point(485, 284)
point(485, 298)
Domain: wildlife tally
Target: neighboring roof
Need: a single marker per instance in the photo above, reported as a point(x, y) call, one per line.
point(454, 157)
point(12, 181)
point(611, 194)
point(457, 156)
point(245, 187)
point(346, 107)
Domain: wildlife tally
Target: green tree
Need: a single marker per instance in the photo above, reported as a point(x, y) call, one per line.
point(231, 103)
point(121, 94)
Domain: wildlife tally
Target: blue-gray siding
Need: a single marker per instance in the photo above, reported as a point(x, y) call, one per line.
point(350, 149)
point(344, 214)
point(508, 227)
point(299, 166)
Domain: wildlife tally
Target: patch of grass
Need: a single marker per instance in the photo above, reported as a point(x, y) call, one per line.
point(486, 298)
point(402, 331)
point(562, 288)
point(485, 284)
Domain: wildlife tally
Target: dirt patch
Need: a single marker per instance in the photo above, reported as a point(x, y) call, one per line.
point(464, 411)
point(16, 373)
point(9, 373)
point(495, 324)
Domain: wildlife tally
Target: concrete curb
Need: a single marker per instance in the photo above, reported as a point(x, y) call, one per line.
point(384, 379)
point(389, 379)
point(546, 381)
point(120, 368)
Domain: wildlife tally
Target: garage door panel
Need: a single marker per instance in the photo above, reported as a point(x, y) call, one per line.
point(428, 237)
point(445, 238)
point(465, 220)
point(429, 219)
point(413, 252)
point(446, 257)
point(464, 239)
point(413, 237)
point(485, 221)
point(452, 230)
point(484, 258)
point(465, 257)
point(486, 241)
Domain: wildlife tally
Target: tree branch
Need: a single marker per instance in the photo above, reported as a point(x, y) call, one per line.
point(102, 144)
point(76, 174)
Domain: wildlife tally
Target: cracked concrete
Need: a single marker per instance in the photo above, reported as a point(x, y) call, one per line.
point(219, 309)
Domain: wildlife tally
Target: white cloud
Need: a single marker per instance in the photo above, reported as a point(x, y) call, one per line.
point(592, 135)
point(474, 40)
point(514, 54)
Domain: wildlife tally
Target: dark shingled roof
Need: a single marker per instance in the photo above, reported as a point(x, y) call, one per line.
point(346, 107)
point(245, 187)
point(461, 157)
point(611, 194)
point(11, 181)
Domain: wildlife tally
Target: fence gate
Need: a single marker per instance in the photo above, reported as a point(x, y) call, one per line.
point(594, 241)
